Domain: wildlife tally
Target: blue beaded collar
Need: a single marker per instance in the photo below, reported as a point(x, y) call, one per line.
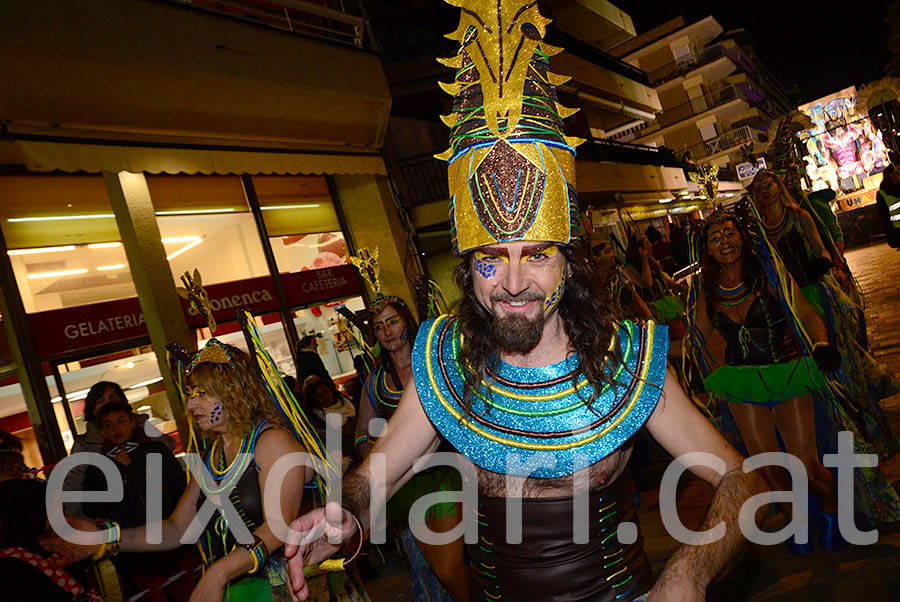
point(536, 413)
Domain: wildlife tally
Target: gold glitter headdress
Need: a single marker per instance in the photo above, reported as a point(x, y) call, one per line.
point(367, 263)
point(214, 351)
point(707, 179)
point(511, 169)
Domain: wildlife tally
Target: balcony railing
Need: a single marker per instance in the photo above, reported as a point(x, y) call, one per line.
point(701, 104)
point(415, 37)
point(723, 142)
point(675, 69)
point(333, 21)
point(412, 38)
point(624, 152)
point(585, 51)
point(425, 179)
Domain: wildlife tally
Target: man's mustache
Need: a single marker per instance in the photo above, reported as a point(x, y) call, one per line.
point(501, 297)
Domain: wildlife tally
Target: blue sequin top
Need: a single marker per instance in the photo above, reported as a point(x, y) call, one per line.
point(538, 423)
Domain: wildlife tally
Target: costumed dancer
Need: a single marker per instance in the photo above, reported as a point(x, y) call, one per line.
point(247, 420)
point(761, 372)
point(791, 230)
point(435, 569)
point(533, 381)
point(619, 282)
point(656, 288)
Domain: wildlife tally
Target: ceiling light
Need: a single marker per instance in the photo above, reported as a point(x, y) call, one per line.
point(192, 241)
point(41, 250)
point(104, 245)
point(144, 383)
point(301, 206)
point(666, 200)
point(109, 268)
point(57, 274)
point(73, 396)
point(129, 365)
point(55, 218)
point(194, 211)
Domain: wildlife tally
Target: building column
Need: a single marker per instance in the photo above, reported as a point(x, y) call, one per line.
point(368, 208)
point(28, 364)
point(160, 304)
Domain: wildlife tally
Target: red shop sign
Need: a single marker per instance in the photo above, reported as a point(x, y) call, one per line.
point(72, 328)
point(306, 288)
point(255, 294)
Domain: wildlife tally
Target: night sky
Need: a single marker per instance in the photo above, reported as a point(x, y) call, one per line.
point(820, 46)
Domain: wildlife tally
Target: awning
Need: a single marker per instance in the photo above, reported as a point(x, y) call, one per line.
point(95, 158)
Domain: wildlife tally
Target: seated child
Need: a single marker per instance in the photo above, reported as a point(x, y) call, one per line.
point(125, 443)
point(129, 448)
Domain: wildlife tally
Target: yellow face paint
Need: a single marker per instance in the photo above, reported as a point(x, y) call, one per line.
point(389, 323)
point(195, 391)
point(545, 253)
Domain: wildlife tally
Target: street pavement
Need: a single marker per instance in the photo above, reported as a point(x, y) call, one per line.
point(771, 574)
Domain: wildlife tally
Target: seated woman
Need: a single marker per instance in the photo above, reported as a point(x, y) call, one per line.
point(246, 434)
point(320, 398)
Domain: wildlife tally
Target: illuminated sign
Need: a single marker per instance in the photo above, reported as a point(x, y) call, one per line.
point(72, 328)
point(843, 146)
point(747, 170)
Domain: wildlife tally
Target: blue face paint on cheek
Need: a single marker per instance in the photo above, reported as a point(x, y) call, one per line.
point(405, 334)
point(556, 296)
point(487, 270)
point(216, 415)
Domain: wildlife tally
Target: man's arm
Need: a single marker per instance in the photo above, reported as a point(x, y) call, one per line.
point(680, 428)
point(409, 436)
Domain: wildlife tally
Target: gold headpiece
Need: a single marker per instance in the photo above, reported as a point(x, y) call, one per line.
point(511, 169)
point(367, 263)
point(707, 180)
point(214, 352)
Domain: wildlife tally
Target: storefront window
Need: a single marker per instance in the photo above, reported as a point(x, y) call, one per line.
point(322, 321)
point(293, 205)
point(300, 252)
point(14, 418)
point(223, 247)
point(63, 241)
point(135, 370)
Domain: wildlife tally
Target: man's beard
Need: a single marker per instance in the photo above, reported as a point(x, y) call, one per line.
point(516, 333)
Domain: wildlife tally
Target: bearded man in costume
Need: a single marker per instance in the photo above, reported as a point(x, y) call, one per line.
point(534, 381)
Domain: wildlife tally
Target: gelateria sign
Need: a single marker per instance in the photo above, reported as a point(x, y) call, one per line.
point(73, 328)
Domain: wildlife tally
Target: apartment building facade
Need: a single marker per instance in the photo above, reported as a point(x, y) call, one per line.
point(718, 99)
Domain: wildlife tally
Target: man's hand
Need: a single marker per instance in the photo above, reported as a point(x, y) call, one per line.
point(308, 542)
